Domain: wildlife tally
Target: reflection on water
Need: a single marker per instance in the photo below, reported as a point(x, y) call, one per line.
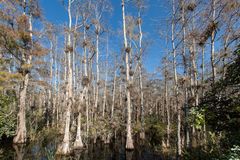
point(94, 151)
point(20, 151)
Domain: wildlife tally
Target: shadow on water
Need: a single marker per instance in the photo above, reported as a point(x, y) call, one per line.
point(95, 151)
point(19, 151)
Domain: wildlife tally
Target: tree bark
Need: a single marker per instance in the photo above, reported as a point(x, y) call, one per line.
point(213, 42)
point(50, 90)
point(86, 87)
point(105, 86)
point(55, 85)
point(142, 134)
point(129, 141)
point(203, 69)
point(21, 132)
point(21, 136)
point(64, 148)
point(78, 144)
point(114, 90)
point(179, 147)
point(187, 139)
point(167, 107)
point(224, 55)
point(97, 27)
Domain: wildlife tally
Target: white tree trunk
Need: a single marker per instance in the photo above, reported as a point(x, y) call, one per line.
point(21, 132)
point(114, 90)
point(185, 74)
point(97, 66)
point(21, 136)
point(78, 144)
point(50, 90)
point(64, 148)
point(167, 108)
point(55, 86)
point(225, 54)
point(179, 147)
point(142, 134)
point(85, 90)
point(105, 85)
point(213, 42)
point(129, 141)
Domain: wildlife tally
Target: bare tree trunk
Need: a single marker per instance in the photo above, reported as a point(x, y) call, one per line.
point(193, 87)
point(213, 42)
point(194, 82)
point(224, 56)
point(65, 61)
point(64, 95)
point(203, 69)
point(85, 90)
point(105, 85)
point(87, 110)
point(58, 95)
point(179, 148)
point(21, 136)
point(167, 107)
point(113, 96)
point(78, 142)
point(129, 141)
point(120, 95)
point(50, 93)
point(55, 85)
point(21, 132)
point(97, 27)
point(142, 134)
point(195, 71)
point(74, 55)
point(64, 148)
point(187, 139)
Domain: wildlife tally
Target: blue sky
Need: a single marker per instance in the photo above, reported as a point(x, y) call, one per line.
point(154, 21)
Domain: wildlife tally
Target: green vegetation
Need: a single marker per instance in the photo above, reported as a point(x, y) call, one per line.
point(7, 114)
point(220, 110)
point(222, 105)
point(155, 131)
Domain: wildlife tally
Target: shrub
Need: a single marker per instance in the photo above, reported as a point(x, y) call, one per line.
point(7, 114)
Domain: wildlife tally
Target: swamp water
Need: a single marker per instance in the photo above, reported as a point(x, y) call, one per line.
point(45, 150)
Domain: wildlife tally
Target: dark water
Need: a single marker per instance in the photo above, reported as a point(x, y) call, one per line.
point(45, 150)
